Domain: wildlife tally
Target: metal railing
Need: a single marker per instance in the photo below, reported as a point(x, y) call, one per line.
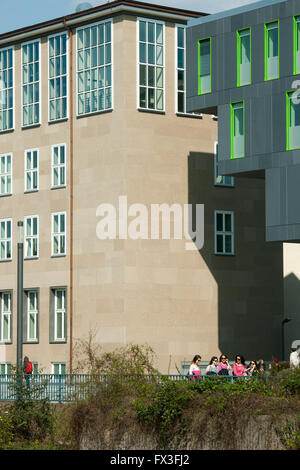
point(70, 387)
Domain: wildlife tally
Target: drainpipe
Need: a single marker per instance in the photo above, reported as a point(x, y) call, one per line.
point(70, 41)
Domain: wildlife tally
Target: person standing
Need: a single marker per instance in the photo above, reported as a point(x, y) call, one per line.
point(27, 368)
point(239, 369)
point(224, 367)
point(194, 369)
point(294, 358)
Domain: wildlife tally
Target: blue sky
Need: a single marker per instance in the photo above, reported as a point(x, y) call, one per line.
point(18, 13)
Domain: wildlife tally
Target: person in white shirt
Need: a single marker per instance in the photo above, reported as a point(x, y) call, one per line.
point(295, 357)
point(194, 367)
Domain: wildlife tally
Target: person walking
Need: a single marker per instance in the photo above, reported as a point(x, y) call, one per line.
point(224, 367)
point(239, 369)
point(212, 368)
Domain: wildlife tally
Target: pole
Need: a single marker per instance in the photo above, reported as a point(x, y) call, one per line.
point(20, 298)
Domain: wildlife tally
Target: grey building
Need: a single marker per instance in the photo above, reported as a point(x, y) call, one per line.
point(244, 66)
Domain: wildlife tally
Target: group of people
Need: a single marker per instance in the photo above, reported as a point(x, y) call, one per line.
point(221, 366)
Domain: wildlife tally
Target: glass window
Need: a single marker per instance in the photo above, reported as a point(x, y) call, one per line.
point(58, 165)
point(204, 66)
point(237, 130)
point(272, 50)
point(6, 89)
point(59, 314)
point(31, 83)
point(151, 65)
point(293, 121)
point(31, 170)
point(5, 174)
point(58, 77)
point(224, 233)
point(94, 68)
point(32, 315)
point(6, 315)
point(59, 368)
point(5, 239)
point(59, 234)
point(297, 44)
point(244, 57)
point(219, 179)
point(31, 232)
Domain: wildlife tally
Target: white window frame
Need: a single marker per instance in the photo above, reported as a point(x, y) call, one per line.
point(61, 311)
point(4, 91)
point(59, 76)
point(6, 240)
point(58, 165)
point(58, 234)
point(61, 365)
point(8, 314)
point(31, 170)
point(34, 313)
point(147, 64)
point(182, 69)
point(220, 177)
point(6, 174)
point(33, 82)
point(31, 237)
point(224, 233)
point(111, 64)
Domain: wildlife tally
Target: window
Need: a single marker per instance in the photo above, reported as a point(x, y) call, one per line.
point(31, 170)
point(224, 236)
point(58, 77)
point(5, 239)
point(293, 121)
point(59, 368)
point(59, 317)
point(6, 315)
point(31, 320)
point(5, 174)
point(237, 125)
point(244, 57)
point(59, 234)
point(58, 166)
point(296, 44)
point(94, 68)
point(6, 89)
point(204, 66)
point(31, 237)
point(5, 368)
point(151, 65)
point(219, 179)
point(272, 50)
point(31, 83)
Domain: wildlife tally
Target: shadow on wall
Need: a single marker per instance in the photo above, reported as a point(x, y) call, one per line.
point(250, 287)
point(292, 310)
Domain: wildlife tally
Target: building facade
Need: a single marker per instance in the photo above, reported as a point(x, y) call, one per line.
point(93, 112)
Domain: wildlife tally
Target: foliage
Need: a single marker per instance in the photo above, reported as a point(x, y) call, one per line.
point(6, 429)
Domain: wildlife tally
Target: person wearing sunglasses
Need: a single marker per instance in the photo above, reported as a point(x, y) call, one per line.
point(224, 367)
point(212, 368)
point(194, 369)
point(252, 368)
point(239, 369)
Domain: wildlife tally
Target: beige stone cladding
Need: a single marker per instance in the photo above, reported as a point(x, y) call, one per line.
point(141, 291)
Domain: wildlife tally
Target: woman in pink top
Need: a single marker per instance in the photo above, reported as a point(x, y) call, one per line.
point(239, 369)
point(223, 366)
point(195, 367)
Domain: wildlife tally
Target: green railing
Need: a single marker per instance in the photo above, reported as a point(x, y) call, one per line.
point(71, 387)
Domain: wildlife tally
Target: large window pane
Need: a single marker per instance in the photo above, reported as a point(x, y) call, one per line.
point(204, 66)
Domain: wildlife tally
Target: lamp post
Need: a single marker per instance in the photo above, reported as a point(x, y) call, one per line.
point(20, 298)
point(284, 321)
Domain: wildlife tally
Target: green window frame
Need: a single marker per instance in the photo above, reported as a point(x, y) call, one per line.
point(296, 45)
point(244, 57)
point(272, 50)
point(204, 66)
point(237, 129)
point(292, 121)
